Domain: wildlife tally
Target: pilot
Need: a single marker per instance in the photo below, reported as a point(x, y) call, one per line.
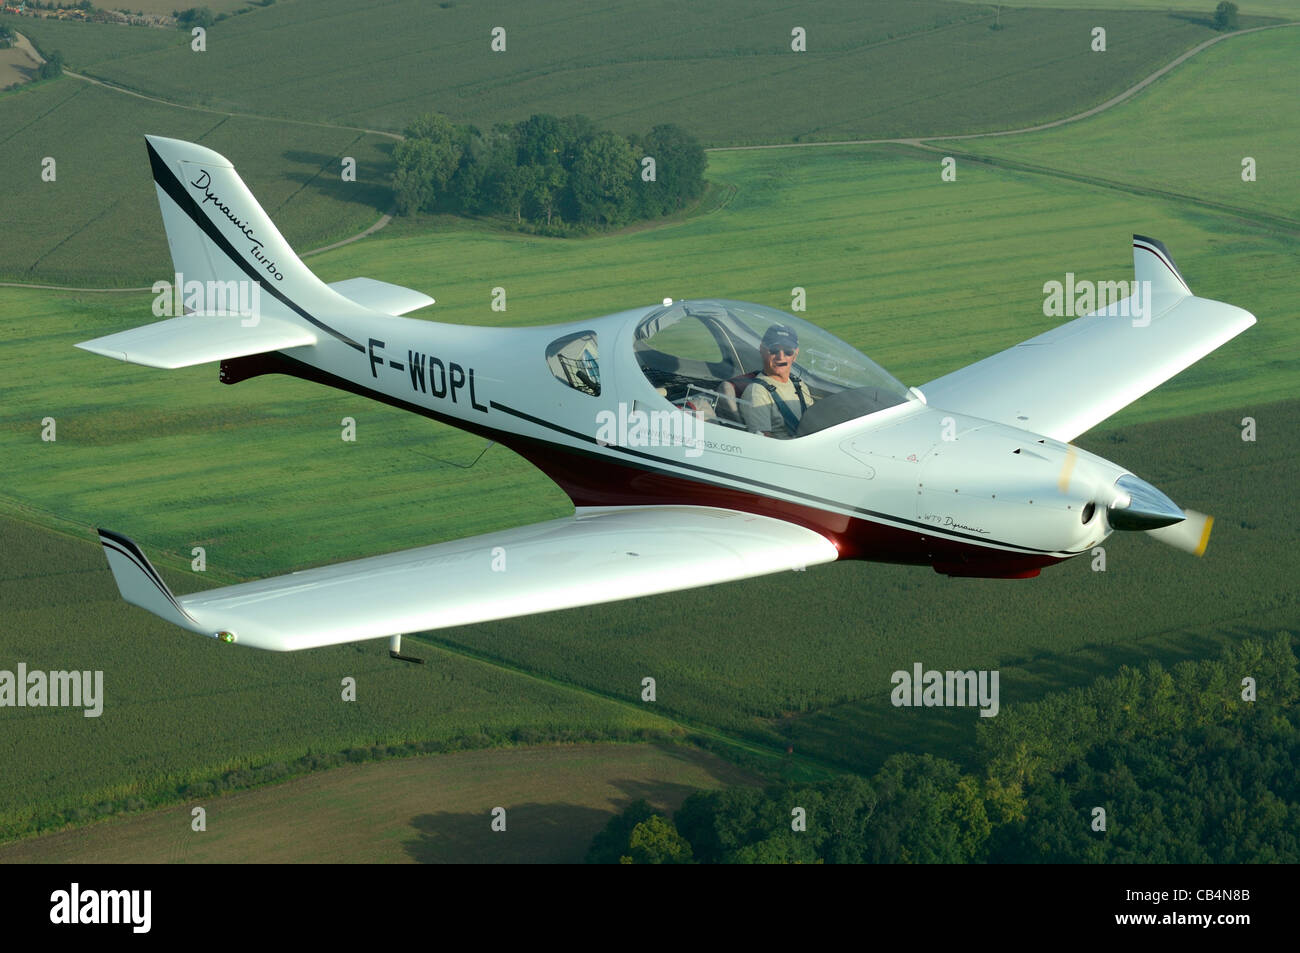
point(776, 399)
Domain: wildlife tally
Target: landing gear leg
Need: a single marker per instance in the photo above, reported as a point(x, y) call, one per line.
point(395, 651)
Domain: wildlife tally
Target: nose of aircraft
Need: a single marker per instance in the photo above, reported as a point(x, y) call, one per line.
point(1138, 505)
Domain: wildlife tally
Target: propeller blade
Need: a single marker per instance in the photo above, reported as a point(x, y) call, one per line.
point(1192, 535)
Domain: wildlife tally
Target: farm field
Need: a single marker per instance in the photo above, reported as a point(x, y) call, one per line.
point(417, 810)
point(819, 682)
point(175, 714)
point(93, 226)
point(98, 224)
point(1287, 9)
point(1148, 142)
point(725, 71)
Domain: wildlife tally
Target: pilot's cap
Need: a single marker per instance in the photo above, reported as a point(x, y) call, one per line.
point(780, 335)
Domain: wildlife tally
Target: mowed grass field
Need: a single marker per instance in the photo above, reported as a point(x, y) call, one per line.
point(416, 810)
point(724, 70)
point(1149, 142)
point(97, 224)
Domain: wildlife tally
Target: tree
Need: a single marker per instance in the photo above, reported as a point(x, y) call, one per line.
point(512, 187)
point(679, 170)
point(928, 812)
point(425, 162)
point(612, 843)
point(52, 67)
point(1225, 16)
point(544, 185)
point(602, 179)
point(195, 16)
point(540, 140)
point(656, 841)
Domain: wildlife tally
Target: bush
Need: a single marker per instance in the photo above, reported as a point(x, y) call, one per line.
point(52, 68)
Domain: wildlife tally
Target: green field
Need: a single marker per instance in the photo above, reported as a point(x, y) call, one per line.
point(96, 225)
point(1147, 142)
point(431, 810)
point(1288, 9)
point(723, 70)
point(98, 222)
point(174, 713)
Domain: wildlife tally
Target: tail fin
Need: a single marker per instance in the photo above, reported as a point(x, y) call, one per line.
point(218, 233)
point(226, 249)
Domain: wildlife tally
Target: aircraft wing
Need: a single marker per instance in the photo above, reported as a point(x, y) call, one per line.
point(1071, 378)
point(594, 556)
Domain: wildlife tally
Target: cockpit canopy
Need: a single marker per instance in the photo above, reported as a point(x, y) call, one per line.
point(702, 355)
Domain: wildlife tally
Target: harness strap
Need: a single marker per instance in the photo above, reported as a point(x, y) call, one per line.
point(791, 421)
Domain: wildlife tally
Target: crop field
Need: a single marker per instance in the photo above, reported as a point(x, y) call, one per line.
point(1287, 9)
point(175, 714)
point(432, 810)
point(725, 71)
point(98, 224)
point(95, 224)
point(1147, 141)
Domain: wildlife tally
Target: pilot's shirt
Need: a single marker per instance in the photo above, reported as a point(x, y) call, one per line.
point(761, 413)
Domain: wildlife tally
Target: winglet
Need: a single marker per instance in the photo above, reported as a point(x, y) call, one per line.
point(140, 584)
point(1152, 262)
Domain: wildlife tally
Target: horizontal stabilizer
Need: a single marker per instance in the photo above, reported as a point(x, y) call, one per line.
point(200, 339)
point(381, 296)
point(592, 557)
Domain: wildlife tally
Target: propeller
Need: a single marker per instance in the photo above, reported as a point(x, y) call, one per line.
point(1192, 535)
point(1138, 506)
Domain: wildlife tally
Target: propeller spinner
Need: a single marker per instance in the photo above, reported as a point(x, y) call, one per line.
point(1139, 506)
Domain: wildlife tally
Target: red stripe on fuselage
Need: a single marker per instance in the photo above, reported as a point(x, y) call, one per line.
point(590, 478)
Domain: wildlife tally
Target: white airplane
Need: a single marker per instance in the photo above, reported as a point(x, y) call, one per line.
point(656, 424)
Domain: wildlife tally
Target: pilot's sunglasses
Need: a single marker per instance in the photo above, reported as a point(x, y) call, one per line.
point(782, 351)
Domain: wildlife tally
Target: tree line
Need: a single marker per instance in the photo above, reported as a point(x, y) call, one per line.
point(555, 175)
point(1194, 764)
